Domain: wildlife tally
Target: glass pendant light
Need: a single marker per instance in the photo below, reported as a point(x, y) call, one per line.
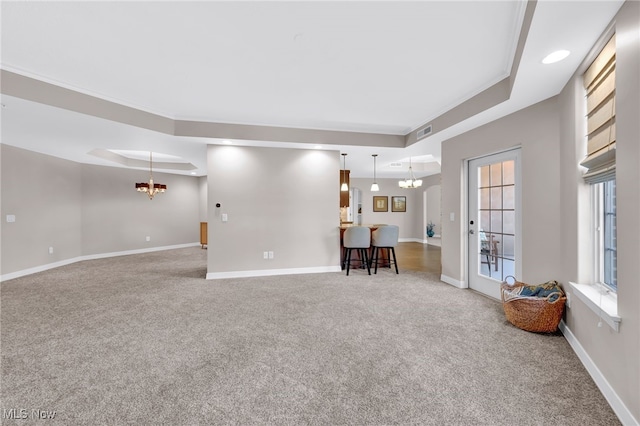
point(374, 185)
point(344, 187)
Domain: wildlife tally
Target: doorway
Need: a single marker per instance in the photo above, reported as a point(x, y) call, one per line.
point(494, 246)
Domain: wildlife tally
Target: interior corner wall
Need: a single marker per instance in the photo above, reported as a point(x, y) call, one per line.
point(82, 210)
point(115, 217)
point(275, 199)
point(535, 130)
point(616, 355)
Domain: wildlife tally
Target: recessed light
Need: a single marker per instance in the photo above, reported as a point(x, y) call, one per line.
point(556, 56)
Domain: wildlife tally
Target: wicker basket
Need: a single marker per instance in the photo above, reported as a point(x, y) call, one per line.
point(537, 314)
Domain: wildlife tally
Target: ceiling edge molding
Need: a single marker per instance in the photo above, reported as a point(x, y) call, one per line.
point(488, 98)
point(105, 154)
point(285, 134)
point(31, 89)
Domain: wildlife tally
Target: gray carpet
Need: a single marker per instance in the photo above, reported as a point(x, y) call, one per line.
point(144, 339)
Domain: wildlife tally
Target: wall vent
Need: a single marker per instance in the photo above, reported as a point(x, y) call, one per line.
point(423, 133)
point(395, 165)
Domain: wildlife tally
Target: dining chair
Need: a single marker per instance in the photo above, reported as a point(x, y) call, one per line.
point(385, 237)
point(357, 238)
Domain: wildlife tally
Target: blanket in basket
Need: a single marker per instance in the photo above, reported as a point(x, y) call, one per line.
point(551, 289)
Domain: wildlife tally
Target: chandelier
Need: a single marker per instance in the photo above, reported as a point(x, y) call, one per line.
point(411, 181)
point(150, 188)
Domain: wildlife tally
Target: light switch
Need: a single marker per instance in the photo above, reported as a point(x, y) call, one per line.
point(224, 217)
point(11, 218)
point(452, 216)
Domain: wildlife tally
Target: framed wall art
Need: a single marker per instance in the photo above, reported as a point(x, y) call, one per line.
point(398, 204)
point(380, 203)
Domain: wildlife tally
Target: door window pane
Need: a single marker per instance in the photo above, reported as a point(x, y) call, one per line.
point(508, 175)
point(496, 174)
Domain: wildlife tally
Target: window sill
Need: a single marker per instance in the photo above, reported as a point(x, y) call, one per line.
point(600, 301)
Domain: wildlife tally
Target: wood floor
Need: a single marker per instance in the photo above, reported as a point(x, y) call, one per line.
point(419, 257)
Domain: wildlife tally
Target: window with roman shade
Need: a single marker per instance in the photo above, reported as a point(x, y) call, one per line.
point(600, 85)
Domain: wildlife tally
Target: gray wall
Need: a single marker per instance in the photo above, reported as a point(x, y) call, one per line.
point(617, 355)
point(45, 195)
point(556, 207)
point(411, 223)
point(280, 200)
point(87, 210)
point(535, 130)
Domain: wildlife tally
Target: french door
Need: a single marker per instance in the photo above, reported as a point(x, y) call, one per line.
point(494, 245)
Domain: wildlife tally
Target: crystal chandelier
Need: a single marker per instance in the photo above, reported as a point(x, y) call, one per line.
point(150, 188)
point(411, 181)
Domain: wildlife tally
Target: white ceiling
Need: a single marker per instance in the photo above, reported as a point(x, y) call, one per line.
point(375, 67)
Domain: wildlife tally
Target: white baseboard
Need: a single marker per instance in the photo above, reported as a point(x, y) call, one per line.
point(621, 410)
point(410, 240)
point(453, 282)
point(271, 272)
point(65, 262)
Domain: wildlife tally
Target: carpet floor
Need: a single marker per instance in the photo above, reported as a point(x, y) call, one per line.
point(145, 339)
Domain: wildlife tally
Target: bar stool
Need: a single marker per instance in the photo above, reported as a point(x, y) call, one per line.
point(385, 237)
point(357, 238)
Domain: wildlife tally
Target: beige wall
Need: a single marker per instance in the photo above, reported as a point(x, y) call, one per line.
point(411, 223)
point(117, 218)
point(82, 210)
point(44, 193)
point(280, 200)
point(617, 355)
point(535, 130)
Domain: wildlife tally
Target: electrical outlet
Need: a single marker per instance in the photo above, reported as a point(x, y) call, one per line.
point(148, 238)
point(270, 255)
point(50, 250)
point(265, 255)
point(568, 302)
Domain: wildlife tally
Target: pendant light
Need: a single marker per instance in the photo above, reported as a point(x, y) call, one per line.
point(411, 181)
point(344, 187)
point(374, 185)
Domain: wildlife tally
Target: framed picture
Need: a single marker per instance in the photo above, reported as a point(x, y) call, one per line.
point(380, 203)
point(398, 204)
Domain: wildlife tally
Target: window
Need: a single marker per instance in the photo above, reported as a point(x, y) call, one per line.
point(600, 88)
point(605, 226)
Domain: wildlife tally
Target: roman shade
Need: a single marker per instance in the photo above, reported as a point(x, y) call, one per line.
point(600, 85)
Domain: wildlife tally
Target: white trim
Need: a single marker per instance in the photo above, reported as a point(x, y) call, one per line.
point(271, 272)
point(410, 240)
point(453, 282)
point(605, 305)
point(41, 268)
point(621, 410)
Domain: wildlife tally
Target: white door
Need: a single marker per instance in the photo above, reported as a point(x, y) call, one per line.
point(494, 221)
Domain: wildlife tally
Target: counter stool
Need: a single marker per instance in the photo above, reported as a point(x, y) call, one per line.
point(357, 238)
point(385, 237)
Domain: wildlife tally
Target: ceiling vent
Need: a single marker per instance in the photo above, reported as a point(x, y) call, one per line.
point(395, 165)
point(423, 133)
